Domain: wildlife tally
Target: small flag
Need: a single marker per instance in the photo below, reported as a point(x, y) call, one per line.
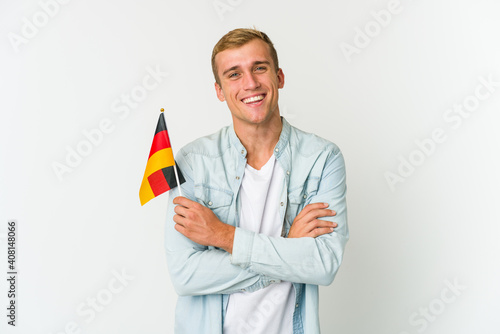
point(160, 175)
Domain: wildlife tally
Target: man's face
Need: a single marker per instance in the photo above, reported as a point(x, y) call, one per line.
point(249, 83)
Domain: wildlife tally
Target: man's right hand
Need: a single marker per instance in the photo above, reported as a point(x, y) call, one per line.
point(307, 224)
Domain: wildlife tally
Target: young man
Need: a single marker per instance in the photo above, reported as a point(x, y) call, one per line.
point(245, 248)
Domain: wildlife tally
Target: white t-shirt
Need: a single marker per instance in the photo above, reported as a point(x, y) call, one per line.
point(269, 310)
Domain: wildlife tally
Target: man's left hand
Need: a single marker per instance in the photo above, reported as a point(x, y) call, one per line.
point(201, 225)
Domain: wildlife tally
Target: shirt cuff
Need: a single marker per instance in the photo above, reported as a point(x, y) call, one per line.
point(242, 247)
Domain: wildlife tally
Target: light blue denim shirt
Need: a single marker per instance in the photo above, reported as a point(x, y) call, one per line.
point(203, 277)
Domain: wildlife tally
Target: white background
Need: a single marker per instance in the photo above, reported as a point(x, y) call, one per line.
point(440, 225)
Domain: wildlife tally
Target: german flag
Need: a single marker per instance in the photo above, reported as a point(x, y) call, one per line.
point(159, 176)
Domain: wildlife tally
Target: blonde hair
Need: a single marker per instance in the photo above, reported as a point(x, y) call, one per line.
point(239, 37)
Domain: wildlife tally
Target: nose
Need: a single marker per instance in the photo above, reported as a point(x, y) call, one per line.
point(251, 81)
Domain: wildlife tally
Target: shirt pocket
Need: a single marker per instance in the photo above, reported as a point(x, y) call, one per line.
point(300, 196)
point(217, 200)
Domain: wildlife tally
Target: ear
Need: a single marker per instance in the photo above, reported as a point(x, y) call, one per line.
point(219, 92)
point(281, 78)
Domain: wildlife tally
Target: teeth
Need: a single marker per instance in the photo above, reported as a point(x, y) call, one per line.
point(253, 99)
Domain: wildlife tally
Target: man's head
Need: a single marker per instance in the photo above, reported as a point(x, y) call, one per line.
point(248, 77)
point(237, 38)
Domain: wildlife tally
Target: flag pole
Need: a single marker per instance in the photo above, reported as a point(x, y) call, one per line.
point(175, 166)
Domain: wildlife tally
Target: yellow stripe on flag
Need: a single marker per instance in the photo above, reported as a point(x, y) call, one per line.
point(159, 160)
point(145, 193)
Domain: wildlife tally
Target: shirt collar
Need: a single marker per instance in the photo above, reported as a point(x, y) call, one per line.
point(278, 149)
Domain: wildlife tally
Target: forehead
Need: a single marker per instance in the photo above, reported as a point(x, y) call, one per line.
point(245, 55)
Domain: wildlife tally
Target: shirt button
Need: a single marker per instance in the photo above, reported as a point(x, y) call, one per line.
point(305, 196)
point(237, 177)
point(296, 305)
point(287, 172)
point(210, 203)
point(276, 149)
point(242, 151)
point(243, 290)
point(281, 203)
point(273, 281)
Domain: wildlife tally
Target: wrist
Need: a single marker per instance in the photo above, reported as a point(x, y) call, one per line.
point(226, 238)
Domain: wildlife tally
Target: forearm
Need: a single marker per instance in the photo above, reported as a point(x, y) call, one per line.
point(209, 271)
point(222, 237)
point(302, 260)
point(200, 270)
point(299, 260)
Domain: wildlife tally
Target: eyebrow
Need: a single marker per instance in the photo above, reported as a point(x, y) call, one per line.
point(259, 62)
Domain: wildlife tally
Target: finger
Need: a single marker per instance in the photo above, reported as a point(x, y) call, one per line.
point(179, 220)
point(318, 223)
point(181, 210)
point(309, 207)
point(180, 200)
point(181, 229)
point(318, 213)
point(307, 214)
point(310, 228)
point(320, 231)
point(325, 213)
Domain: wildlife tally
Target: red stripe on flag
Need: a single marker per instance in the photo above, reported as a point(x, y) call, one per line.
point(160, 141)
point(158, 183)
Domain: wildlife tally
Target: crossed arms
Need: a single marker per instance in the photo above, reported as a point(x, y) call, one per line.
point(199, 224)
point(207, 256)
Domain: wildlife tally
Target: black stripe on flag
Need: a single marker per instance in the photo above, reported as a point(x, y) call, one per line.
point(161, 126)
point(169, 175)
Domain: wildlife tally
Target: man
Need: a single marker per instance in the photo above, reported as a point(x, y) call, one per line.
point(245, 248)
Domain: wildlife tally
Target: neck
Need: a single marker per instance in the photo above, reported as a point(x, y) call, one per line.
point(259, 140)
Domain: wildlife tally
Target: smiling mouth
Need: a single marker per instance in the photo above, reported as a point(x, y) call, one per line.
point(253, 99)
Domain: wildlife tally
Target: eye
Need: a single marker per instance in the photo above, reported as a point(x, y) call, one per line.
point(233, 75)
point(260, 68)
